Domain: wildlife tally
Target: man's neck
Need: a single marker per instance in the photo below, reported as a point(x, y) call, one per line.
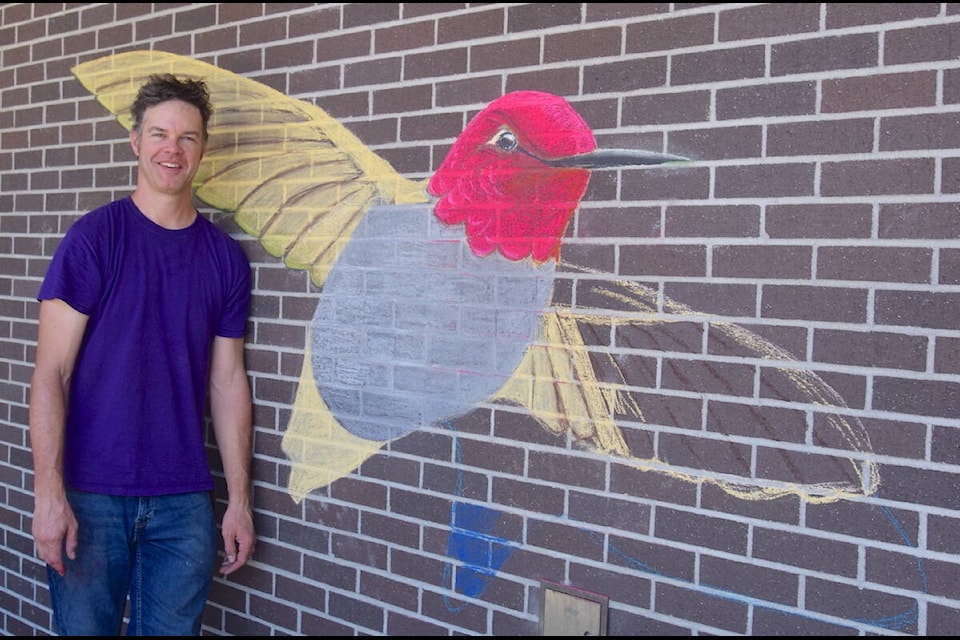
point(169, 212)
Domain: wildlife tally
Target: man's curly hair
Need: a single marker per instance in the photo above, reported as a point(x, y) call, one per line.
point(166, 86)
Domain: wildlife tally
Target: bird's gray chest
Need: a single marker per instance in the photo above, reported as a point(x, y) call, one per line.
point(412, 328)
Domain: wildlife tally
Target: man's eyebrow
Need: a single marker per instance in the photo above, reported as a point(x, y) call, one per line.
point(157, 127)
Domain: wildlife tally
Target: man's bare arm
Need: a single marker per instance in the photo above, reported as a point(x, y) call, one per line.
point(58, 342)
point(231, 411)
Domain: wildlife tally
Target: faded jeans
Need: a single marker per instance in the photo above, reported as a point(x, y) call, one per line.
point(161, 551)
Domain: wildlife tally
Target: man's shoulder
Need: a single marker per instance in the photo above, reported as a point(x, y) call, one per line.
point(222, 238)
point(118, 207)
point(98, 218)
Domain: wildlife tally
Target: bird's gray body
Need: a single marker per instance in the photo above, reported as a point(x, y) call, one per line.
point(412, 328)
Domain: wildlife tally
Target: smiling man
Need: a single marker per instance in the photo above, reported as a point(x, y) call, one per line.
point(142, 320)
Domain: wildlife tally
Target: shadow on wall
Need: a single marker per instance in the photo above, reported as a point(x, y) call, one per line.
point(438, 296)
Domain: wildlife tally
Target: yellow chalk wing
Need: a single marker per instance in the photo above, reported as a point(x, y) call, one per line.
point(572, 386)
point(294, 176)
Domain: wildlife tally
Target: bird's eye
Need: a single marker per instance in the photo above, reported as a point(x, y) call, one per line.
point(506, 141)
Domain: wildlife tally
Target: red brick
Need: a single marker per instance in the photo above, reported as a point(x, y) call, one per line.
point(622, 513)
point(437, 606)
point(777, 424)
point(917, 309)
point(853, 14)
point(928, 131)
point(413, 35)
point(541, 16)
point(853, 602)
point(750, 580)
point(345, 46)
point(286, 55)
point(917, 397)
point(678, 336)
point(530, 496)
point(597, 11)
point(401, 625)
point(353, 610)
point(887, 264)
point(888, 91)
point(670, 33)
point(722, 613)
point(947, 356)
point(565, 539)
point(563, 81)
point(765, 180)
point(878, 177)
point(261, 32)
point(820, 138)
point(696, 529)
point(765, 21)
point(893, 438)
point(718, 143)
point(622, 587)
point(321, 20)
point(811, 55)
point(470, 26)
point(368, 13)
point(625, 76)
point(943, 534)
point(762, 262)
point(724, 299)
point(666, 108)
point(938, 574)
point(581, 44)
point(662, 260)
point(870, 349)
point(922, 220)
point(815, 553)
point(916, 487)
point(921, 44)
point(711, 455)
point(707, 377)
point(945, 446)
point(718, 65)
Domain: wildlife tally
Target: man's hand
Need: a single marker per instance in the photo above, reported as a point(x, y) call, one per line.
point(239, 539)
point(55, 530)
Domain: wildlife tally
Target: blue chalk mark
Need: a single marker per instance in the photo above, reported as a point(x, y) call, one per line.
point(471, 542)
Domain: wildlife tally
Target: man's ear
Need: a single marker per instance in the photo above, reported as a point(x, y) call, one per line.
point(135, 142)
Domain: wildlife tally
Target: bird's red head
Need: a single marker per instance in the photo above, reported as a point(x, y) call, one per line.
point(496, 179)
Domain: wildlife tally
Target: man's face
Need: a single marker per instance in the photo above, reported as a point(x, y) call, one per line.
point(169, 147)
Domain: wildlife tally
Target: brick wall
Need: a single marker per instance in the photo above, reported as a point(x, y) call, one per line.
point(785, 309)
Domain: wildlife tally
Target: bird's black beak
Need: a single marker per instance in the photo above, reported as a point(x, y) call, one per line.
point(608, 158)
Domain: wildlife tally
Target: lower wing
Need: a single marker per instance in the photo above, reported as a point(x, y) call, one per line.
point(638, 386)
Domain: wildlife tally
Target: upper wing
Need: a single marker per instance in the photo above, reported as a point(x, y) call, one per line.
point(603, 378)
point(295, 177)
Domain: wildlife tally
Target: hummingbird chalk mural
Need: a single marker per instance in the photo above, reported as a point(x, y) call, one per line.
point(437, 295)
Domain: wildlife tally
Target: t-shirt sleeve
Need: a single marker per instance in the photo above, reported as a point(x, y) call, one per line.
point(233, 322)
point(74, 275)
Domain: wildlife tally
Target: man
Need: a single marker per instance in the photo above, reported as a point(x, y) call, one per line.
point(143, 314)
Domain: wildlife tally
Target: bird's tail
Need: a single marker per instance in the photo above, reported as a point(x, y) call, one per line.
point(319, 448)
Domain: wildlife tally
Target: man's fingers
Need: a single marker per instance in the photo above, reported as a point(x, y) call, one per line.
point(71, 543)
point(51, 555)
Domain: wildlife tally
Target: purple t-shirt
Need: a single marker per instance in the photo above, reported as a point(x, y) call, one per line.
point(156, 298)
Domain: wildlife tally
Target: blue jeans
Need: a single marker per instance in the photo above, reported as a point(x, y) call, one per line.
point(161, 551)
